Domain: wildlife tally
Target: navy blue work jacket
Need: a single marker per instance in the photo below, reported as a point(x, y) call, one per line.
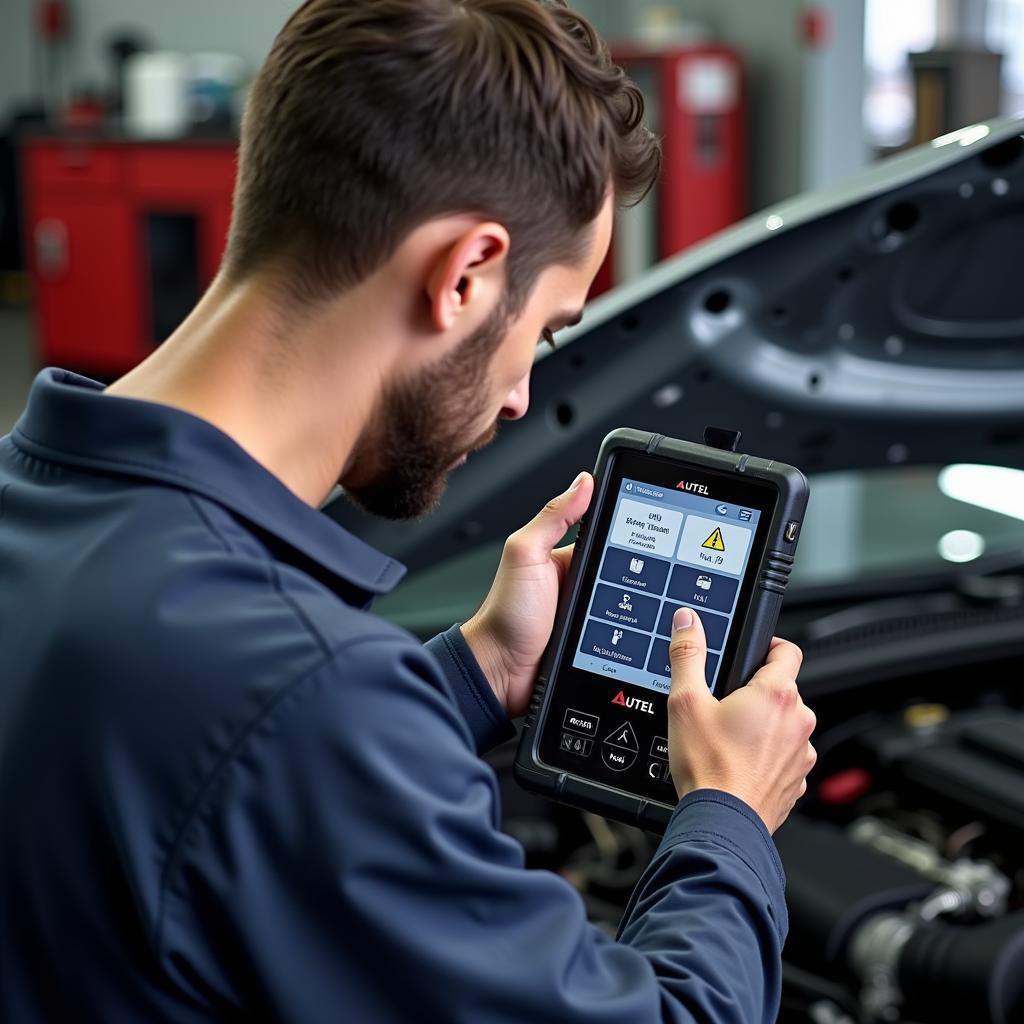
point(229, 792)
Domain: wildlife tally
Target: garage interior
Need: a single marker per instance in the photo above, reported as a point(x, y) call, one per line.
point(830, 265)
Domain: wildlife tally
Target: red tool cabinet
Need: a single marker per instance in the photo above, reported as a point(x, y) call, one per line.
point(123, 237)
point(695, 100)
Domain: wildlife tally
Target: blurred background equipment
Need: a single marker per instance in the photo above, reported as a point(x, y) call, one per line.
point(123, 238)
point(755, 103)
point(952, 88)
point(695, 103)
point(53, 38)
point(156, 97)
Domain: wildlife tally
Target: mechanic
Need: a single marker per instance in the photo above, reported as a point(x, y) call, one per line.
point(228, 790)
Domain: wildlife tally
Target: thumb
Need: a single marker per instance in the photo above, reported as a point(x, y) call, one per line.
point(550, 525)
point(687, 653)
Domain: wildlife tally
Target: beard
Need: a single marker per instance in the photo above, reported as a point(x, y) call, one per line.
point(422, 427)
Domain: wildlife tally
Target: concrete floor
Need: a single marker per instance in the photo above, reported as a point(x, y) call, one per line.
point(17, 363)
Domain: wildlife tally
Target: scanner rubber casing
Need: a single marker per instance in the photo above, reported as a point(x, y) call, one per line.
point(756, 629)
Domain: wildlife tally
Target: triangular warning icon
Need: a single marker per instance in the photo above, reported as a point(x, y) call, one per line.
point(619, 698)
point(715, 541)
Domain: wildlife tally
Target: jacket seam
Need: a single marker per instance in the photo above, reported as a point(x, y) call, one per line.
point(208, 523)
point(273, 574)
point(297, 611)
point(226, 759)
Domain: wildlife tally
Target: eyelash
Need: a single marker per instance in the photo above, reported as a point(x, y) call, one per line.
point(548, 337)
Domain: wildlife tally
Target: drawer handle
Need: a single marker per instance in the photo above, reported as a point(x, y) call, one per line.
point(51, 238)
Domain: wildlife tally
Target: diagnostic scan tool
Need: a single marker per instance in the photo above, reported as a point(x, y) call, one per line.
point(672, 524)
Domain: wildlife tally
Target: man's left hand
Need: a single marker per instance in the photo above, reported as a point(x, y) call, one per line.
point(510, 631)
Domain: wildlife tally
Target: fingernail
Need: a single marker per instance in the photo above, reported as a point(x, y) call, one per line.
point(682, 619)
point(577, 481)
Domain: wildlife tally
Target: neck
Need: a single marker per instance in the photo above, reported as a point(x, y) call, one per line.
point(295, 397)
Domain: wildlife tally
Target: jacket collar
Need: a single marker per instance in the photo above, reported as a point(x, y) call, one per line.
point(69, 420)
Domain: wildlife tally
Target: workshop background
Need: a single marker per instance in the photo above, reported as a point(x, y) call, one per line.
point(117, 125)
point(883, 266)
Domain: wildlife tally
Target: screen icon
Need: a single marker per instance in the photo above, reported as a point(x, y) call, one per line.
point(616, 636)
point(715, 541)
point(629, 487)
point(745, 515)
point(704, 582)
point(625, 604)
point(636, 565)
point(722, 510)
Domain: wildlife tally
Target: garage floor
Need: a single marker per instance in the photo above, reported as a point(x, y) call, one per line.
point(17, 363)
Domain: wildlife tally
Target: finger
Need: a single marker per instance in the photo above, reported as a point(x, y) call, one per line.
point(539, 536)
point(687, 654)
point(785, 655)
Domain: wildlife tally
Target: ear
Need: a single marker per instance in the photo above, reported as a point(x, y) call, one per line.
point(468, 277)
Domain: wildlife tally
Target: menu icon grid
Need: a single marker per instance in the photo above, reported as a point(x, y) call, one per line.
point(665, 550)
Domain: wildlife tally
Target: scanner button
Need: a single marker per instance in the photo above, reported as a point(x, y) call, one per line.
point(576, 744)
point(616, 758)
point(623, 737)
point(792, 530)
point(579, 721)
point(656, 770)
point(620, 748)
point(659, 748)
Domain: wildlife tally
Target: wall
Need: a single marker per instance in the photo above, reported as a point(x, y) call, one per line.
point(245, 27)
point(767, 35)
point(15, 54)
point(805, 105)
point(835, 83)
point(805, 120)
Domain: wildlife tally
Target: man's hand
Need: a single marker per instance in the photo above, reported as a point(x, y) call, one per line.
point(510, 631)
point(754, 743)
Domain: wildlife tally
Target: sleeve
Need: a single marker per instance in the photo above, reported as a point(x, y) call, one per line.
point(347, 863)
point(476, 701)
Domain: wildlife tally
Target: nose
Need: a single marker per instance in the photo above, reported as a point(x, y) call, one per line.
point(517, 401)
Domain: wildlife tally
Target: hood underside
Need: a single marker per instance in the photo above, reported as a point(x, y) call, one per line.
point(877, 322)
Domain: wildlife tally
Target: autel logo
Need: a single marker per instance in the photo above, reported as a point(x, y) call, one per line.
point(633, 703)
point(692, 488)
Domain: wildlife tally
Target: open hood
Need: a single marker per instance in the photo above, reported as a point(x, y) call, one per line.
point(876, 322)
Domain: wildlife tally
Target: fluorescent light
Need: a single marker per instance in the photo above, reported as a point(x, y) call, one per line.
point(997, 488)
point(961, 545)
point(965, 136)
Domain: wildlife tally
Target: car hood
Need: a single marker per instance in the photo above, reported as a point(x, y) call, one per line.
point(873, 323)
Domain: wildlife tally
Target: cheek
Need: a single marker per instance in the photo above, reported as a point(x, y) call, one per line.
point(520, 356)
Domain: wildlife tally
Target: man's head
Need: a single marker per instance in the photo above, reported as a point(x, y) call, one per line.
point(477, 145)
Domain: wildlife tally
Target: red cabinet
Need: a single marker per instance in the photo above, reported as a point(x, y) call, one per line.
point(695, 102)
point(123, 238)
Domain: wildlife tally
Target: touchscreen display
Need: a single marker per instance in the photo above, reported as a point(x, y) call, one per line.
point(665, 548)
point(664, 533)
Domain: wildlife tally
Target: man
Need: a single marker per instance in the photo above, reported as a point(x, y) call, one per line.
point(227, 790)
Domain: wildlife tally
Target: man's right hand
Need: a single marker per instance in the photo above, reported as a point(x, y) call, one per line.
point(755, 743)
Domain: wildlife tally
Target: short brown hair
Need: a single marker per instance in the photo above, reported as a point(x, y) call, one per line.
point(371, 117)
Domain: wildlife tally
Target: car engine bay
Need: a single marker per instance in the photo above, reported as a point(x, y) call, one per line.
point(905, 860)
